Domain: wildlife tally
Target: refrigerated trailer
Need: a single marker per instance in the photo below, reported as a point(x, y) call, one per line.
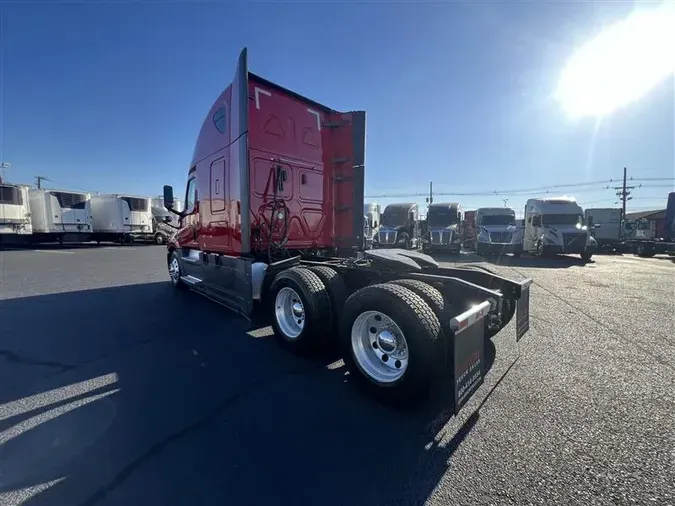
point(273, 222)
point(15, 220)
point(60, 215)
point(606, 226)
point(121, 218)
point(159, 203)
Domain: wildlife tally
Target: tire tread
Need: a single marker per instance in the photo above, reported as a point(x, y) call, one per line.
point(411, 311)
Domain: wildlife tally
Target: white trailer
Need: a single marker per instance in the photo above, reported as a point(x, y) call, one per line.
point(371, 215)
point(121, 218)
point(555, 225)
point(159, 203)
point(605, 224)
point(60, 215)
point(498, 232)
point(15, 220)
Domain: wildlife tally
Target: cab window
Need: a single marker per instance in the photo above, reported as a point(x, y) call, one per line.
point(191, 195)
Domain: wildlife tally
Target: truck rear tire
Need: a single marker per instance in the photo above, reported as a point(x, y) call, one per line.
point(159, 239)
point(429, 294)
point(337, 290)
point(301, 310)
point(389, 337)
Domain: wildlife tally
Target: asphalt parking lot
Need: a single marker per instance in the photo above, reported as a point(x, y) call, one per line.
point(114, 389)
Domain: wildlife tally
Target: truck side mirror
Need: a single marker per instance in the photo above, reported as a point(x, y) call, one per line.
point(536, 221)
point(168, 196)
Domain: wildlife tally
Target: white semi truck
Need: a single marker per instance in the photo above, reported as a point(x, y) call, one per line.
point(555, 226)
point(121, 218)
point(15, 219)
point(497, 232)
point(60, 215)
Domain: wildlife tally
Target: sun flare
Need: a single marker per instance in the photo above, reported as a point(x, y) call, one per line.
point(620, 65)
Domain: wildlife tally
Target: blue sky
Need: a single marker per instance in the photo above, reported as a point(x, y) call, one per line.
point(110, 96)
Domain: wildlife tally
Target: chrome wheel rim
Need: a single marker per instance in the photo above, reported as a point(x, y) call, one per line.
point(379, 347)
point(289, 312)
point(174, 270)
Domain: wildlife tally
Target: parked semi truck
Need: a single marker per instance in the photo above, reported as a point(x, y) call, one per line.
point(164, 224)
point(469, 230)
point(15, 220)
point(60, 215)
point(555, 226)
point(498, 232)
point(399, 227)
point(371, 216)
point(273, 220)
point(640, 236)
point(121, 218)
point(443, 230)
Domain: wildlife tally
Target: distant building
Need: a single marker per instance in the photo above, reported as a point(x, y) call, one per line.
point(658, 216)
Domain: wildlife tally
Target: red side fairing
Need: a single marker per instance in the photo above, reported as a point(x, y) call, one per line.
point(312, 148)
point(285, 132)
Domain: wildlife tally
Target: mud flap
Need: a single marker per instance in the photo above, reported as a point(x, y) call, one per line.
point(469, 352)
point(523, 311)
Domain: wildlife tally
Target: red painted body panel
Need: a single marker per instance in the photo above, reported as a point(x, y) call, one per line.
point(313, 145)
point(470, 218)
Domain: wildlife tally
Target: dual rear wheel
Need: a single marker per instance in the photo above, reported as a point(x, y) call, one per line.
point(388, 333)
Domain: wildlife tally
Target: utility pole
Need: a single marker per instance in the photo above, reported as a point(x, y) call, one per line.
point(430, 198)
point(38, 181)
point(623, 193)
point(3, 165)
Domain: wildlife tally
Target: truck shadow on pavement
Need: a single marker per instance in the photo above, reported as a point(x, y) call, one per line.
point(142, 395)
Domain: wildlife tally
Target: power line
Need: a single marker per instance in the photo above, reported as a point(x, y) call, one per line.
point(578, 188)
point(523, 192)
point(652, 179)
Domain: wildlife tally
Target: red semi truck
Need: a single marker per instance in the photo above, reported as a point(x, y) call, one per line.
point(273, 220)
